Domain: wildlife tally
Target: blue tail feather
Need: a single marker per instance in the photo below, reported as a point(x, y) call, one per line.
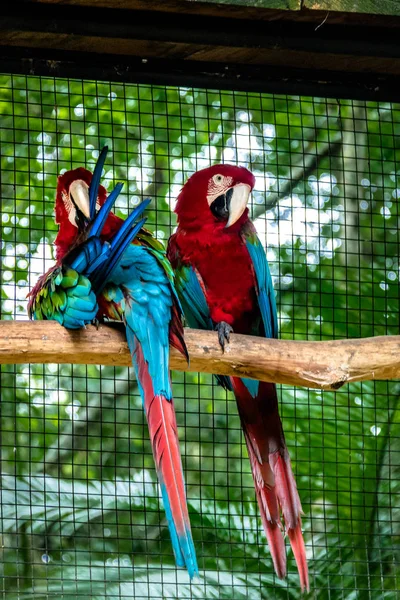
point(98, 259)
point(180, 561)
point(129, 221)
point(183, 546)
point(99, 262)
point(94, 184)
point(118, 245)
point(101, 217)
point(116, 254)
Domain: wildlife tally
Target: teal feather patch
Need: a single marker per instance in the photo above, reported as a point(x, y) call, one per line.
point(265, 290)
point(146, 315)
point(252, 386)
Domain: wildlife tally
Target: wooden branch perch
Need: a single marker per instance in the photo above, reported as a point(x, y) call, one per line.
point(326, 365)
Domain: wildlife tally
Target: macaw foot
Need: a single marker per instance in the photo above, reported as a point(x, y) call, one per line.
point(224, 331)
point(96, 323)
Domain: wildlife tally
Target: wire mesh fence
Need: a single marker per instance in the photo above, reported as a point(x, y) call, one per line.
point(81, 514)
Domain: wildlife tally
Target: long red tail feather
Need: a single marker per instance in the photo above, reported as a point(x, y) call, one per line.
point(299, 551)
point(163, 431)
point(269, 511)
point(272, 473)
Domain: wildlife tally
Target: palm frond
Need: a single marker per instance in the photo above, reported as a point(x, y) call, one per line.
point(122, 579)
point(39, 503)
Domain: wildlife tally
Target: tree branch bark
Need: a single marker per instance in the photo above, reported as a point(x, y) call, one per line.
point(326, 365)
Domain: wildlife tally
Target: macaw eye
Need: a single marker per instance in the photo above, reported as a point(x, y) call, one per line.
point(217, 178)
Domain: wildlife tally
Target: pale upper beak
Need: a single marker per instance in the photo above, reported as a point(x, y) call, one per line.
point(79, 191)
point(238, 202)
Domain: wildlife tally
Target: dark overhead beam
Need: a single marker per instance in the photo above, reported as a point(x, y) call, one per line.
point(218, 31)
point(183, 73)
point(297, 52)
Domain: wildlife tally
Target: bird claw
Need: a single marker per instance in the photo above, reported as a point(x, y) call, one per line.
point(96, 323)
point(224, 331)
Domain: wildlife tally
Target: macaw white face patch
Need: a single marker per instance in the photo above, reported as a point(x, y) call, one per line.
point(69, 207)
point(218, 185)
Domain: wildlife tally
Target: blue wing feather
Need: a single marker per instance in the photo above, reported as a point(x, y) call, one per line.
point(94, 184)
point(265, 290)
point(101, 217)
point(195, 307)
point(265, 293)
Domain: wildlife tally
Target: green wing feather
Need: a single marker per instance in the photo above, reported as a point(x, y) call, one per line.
point(63, 295)
point(157, 249)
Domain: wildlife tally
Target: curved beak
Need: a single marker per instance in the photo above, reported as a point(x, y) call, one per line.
point(79, 194)
point(238, 202)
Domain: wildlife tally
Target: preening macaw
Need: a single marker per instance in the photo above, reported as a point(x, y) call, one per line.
point(64, 293)
point(224, 283)
point(137, 287)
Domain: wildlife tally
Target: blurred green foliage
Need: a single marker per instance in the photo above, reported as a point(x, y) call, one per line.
point(81, 515)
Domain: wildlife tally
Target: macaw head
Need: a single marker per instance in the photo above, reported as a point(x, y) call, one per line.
point(72, 207)
point(217, 195)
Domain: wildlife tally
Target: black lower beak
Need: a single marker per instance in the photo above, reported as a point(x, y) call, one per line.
point(81, 221)
point(220, 206)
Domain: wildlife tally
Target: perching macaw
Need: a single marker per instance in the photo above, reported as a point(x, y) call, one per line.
point(139, 291)
point(224, 283)
point(64, 293)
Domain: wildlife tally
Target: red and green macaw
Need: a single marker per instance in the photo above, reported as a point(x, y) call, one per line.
point(135, 286)
point(224, 283)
